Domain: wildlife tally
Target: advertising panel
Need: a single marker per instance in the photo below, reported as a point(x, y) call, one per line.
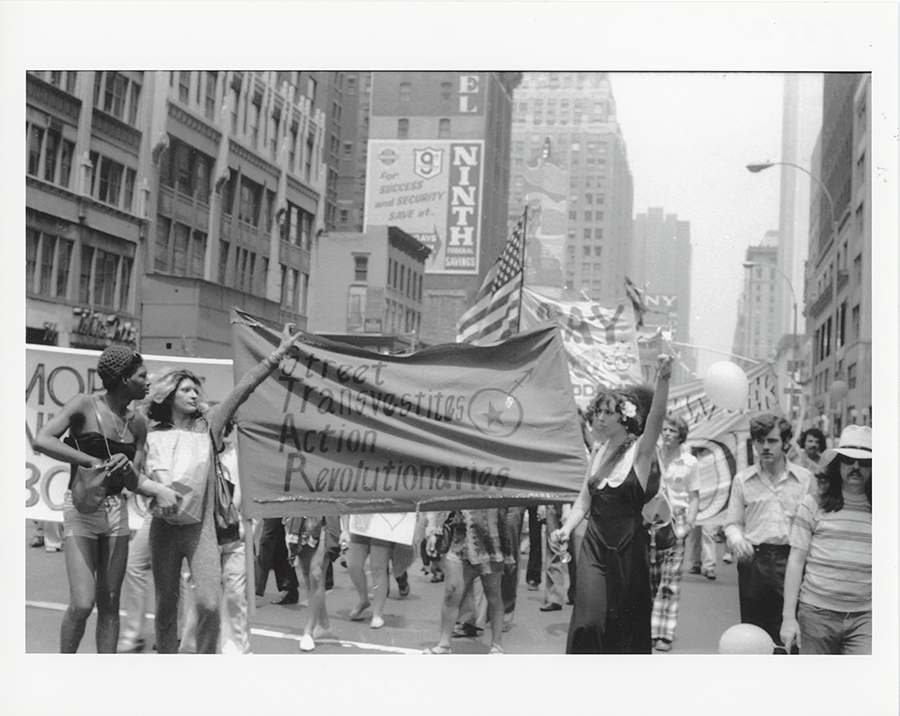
point(53, 377)
point(432, 189)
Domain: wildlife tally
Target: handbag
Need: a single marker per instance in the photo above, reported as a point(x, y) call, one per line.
point(448, 532)
point(228, 519)
point(90, 483)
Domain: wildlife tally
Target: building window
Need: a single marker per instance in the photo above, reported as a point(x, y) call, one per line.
point(307, 167)
point(251, 198)
point(405, 92)
point(344, 215)
point(180, 249)
point(255, 109)
point(587, 234)
point(361, 268)
point(224, 246)
point(161, 252)
point(184, 86)
point(210, 105)
point(588, 216)
point(446, 91)
point(35, 143)
point(402, 129)
point(351, 85)
point(110, 181)
point(125, 283)
point(106, 267)
point(444, 128)
point(311, 89)
point(347, 150)
point(356, 308)
point(198, 253)
point(303, 293)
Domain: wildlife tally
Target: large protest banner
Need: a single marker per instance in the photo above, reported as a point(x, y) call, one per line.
point(54, 376)
point(600, 341)
point(719, 438)
point(337, 429)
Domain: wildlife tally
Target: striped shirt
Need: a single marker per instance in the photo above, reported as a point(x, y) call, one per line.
point(761, 511)
point(838, 572)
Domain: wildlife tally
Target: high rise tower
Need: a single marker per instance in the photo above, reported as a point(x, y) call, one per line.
point(568, 147)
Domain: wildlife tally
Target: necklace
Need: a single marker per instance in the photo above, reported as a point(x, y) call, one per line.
point(119, 433)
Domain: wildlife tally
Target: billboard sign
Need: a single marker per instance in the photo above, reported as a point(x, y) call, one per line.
point(432, 189)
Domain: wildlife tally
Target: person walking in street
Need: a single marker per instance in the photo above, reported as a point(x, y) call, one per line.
point(681, 482)
point(186, 431)
point(828, 583)
point(272, 556)
point(103, 430)
point(612, 587)
point(764, 498)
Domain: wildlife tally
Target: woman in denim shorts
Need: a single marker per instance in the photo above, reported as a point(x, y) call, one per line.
point(102, 430)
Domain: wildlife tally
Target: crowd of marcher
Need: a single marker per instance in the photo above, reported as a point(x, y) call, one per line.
point(798, 522)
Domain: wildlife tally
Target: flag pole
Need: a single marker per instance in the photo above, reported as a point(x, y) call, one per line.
point(522, 263)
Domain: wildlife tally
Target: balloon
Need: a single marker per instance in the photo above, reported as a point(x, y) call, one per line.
point(726, 385)
point(838, 390)
point(746, 639)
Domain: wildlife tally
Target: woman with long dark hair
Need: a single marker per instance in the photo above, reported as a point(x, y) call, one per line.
point(828, 581)
point(103, 430)
point(181, 443)
point(612, 586)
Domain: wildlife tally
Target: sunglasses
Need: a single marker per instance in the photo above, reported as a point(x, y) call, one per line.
point(867, 462)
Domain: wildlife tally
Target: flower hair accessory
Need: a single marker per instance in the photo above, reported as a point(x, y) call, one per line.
point(629, 409)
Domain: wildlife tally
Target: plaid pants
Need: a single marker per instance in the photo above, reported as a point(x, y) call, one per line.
point(665, 580)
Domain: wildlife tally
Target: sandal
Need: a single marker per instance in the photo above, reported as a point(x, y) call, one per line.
point(437, 650)
point(496, 649)
point(465, 630)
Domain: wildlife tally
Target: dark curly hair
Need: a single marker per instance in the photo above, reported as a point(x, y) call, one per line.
point(640, 396)
point(816, 433)
point(763, 424)
point(831, 495)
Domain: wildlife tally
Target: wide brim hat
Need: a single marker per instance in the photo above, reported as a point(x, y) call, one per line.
point(855, 442)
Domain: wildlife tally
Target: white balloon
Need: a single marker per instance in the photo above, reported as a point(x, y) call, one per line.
point(746, 639)
point(726, 385)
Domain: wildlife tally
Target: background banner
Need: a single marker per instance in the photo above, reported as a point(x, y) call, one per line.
point(337, 429)
point(719, 438)
point(53, 376)
point(600, 341)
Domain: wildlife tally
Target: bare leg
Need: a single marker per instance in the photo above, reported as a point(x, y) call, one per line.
point(455, 588)
point(356, 559)
point(491, 583)
point(81, 566)
point(111, 562)
point(379, 558)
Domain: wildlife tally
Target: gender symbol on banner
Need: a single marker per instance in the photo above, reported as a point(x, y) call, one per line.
point(495, 412)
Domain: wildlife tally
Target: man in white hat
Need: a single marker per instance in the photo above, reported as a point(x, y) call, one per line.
point(761, 507)
point(829, 570)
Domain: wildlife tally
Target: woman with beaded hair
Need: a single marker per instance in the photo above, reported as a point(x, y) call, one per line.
point(103, 430)
point(181, 441)
point(612, 588)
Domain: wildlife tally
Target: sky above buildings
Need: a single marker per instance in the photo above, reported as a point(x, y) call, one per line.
point(689, 138)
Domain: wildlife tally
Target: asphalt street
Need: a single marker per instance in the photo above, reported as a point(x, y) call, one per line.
point(707, 609)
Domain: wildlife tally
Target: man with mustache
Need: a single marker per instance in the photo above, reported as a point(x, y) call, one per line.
point(764, 498)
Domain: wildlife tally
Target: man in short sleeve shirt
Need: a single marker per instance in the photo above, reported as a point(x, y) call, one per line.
point(761, 508)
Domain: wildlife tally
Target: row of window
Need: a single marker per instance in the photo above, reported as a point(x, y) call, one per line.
point(104, 279)
point(404, 280)
point(186, 170)
point(65, 80)
point(112, 182)
point(179, 250)
point(49, 154)
point(403, 128)
point(586, 216)
point(118, 95)
point(406, 92)
point(400, 318)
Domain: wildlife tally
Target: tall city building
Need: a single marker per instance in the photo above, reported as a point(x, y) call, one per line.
point(758, 325)
point(570, 164)
point(155, 201)
point(838, 289)
point(428, 152)
point(661, 267)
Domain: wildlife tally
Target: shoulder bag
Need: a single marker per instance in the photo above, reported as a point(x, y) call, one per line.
point(228, 519)
point(89, 485)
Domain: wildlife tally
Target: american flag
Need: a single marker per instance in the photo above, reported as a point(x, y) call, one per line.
point(496, 310)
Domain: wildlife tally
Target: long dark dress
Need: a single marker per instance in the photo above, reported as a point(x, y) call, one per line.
point(613, 598)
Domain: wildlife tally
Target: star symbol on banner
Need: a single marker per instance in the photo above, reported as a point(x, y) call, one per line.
point(493, 415)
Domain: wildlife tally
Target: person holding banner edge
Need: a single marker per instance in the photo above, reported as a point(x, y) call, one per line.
point(99, 428)
point(612, 588)
point(185, 425)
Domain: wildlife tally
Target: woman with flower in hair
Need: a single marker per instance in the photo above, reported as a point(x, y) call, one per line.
point(612, 587)
point(180, 443)
point(104, 431)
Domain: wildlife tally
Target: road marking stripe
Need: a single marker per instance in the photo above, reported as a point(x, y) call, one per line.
point(258, 631)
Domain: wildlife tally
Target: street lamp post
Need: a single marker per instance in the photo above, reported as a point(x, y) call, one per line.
point(754, 264)
point(755, 169)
